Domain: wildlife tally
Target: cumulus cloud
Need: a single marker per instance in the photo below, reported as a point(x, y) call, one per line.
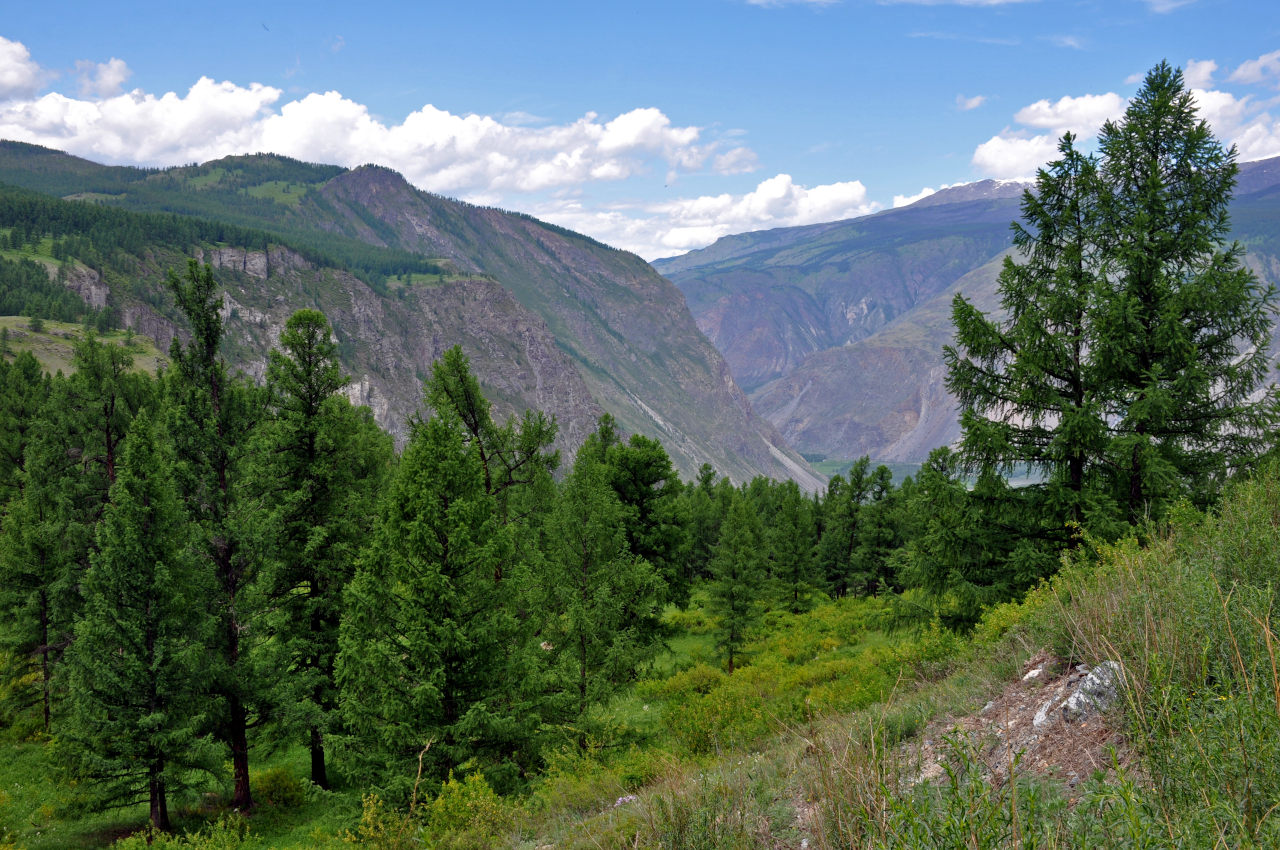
point(433, 148)
point(1007, 157)
point(1199, 74)
point(1265, 68)
point(20, 76)
point(964, 104)
point(673, 227)
point(1016, 154)
point(908, 200)
point(102, 79)
point(1082, 115)
point(1256, 135)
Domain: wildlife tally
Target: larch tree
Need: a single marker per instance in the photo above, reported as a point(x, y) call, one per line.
point(1183, 327)
point(136, 670)
point(1134, 340)
point(212, 418)
point(737, 579)
point(431, 645)
point(317, 464)
point(601, 602)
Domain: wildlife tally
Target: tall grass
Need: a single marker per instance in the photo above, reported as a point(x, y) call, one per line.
point(1191, 616)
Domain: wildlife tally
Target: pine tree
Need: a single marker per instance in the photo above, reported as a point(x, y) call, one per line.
point(737, 579)
point(136, 667)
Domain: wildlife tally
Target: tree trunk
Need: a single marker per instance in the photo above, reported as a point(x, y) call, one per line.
point(159, 805)
point(238, 739)
point(318, 776)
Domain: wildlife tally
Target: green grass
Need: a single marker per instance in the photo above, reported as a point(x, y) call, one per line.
point(54, 346)
point(281, 191)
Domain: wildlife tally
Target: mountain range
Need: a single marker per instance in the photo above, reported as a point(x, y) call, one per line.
point(549, 318)
point(836, 330)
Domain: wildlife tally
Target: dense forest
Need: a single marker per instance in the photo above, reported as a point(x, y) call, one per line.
point(197, 571)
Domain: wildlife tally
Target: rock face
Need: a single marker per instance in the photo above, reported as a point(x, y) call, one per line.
point(837, 329)
point(625, 329)
point(1025, 726)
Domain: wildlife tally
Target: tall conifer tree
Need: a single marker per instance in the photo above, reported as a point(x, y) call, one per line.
point(136, 668)
point(318, 468)
point(212, 420)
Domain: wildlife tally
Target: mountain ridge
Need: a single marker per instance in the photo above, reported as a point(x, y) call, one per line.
point(777, 304)
point(603, 325)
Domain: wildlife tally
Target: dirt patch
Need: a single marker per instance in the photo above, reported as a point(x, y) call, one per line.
point(1026, 724)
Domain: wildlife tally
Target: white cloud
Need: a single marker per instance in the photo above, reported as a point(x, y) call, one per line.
point(19, 75)
point(964, 104)
point(673, 227)
point(212, 119)
point(1199, 74)
point(1082, 115)
point(735, 161)
point(1256, 135)
point(1008, 157)
point(433, 148)
point(908, 200)
point(102, 79)
point(1163, 6)
point(1070, 41)
point(1265, 68)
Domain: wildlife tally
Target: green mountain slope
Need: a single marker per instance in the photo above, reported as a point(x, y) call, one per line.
point(551, 319)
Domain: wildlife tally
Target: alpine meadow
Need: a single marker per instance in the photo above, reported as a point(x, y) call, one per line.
point(335, 512)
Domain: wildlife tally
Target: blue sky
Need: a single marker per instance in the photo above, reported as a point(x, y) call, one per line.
point(656, 126)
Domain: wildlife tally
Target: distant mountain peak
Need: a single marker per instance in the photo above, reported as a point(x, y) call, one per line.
point(982, 190)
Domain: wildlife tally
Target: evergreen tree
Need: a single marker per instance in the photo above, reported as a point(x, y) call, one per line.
point(69, 465)
point(841, 518)
point(737, 576)
point(789, 541)
point(969, 549)
point(318, 466)
point(641, 474)
point(23, 390)
point(603, 601)
point(1184, 326)
point(137, 665)
point(1028, 385)
point(212, 420)
point(430, 644)
point(1134, 339)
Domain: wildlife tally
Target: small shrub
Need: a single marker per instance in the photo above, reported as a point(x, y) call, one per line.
point(280, 789)
point(382, 827)
point(467, 805)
